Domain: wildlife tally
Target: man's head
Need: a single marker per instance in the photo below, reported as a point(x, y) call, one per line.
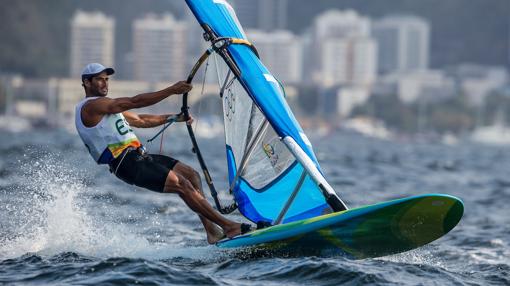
point(94, 79)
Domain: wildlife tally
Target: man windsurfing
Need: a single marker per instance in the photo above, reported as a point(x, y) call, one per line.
point(104, 125)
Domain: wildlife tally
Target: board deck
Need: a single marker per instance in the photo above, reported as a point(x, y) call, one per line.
point(368, 231)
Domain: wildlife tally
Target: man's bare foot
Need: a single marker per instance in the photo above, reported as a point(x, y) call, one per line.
point(214, 235)
point(236, 229)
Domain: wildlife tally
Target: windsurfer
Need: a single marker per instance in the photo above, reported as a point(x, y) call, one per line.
point(103, 124)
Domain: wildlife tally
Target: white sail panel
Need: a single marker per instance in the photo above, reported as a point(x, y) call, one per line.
point(270, 157)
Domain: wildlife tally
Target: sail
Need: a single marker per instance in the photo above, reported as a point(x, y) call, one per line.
point(267, 150)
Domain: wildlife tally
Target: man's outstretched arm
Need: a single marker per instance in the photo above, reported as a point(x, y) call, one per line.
point(144, 120)
point(117, 105)
point(94, 110)
point(149, 120)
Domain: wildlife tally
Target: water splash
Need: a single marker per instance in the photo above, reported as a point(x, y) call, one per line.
point(421, 256)
point(47, 214)
point(52, 210)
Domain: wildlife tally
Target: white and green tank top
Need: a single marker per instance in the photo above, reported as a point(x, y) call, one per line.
point(108, 138)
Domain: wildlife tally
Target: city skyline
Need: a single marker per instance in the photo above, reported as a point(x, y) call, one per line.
point(344, 47)
point(461, 31)
point(347, 57)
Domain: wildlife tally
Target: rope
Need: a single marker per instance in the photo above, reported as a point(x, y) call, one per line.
point(161, 143)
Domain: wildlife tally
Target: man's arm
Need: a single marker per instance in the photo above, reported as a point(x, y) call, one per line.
point(145, 120)
point(149, 120)
point(94, 110)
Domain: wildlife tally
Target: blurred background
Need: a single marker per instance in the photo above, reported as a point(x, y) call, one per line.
point(395, 95)
point(430, 69)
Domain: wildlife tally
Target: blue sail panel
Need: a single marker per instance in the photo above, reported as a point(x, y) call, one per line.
point(264, 186)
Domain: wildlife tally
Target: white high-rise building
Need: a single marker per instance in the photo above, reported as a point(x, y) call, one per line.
point(341, 24)
point(264, 15)
point(403, 43)
point(345, 52)
point(159, 49)
point(281, 52)
point(92, 40)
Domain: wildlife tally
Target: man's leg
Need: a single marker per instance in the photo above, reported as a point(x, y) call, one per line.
point(179, 184)
point(214, 233)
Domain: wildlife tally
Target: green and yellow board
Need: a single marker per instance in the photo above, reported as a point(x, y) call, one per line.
point(369, 231)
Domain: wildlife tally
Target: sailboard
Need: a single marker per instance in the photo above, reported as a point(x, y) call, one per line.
point(369, 231)
point(273, 174)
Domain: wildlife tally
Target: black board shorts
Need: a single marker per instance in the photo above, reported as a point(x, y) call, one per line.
point(143, 170)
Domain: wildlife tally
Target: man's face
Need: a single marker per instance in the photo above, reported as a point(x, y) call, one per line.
point(98, 85)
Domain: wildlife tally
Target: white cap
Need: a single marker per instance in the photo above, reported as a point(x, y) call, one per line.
point(93, 69)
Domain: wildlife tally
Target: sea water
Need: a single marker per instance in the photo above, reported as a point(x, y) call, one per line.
point(65, 220)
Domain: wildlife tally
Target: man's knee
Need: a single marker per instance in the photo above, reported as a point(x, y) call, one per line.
point(189, 173)
point(196, 176)
point(176, 183)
